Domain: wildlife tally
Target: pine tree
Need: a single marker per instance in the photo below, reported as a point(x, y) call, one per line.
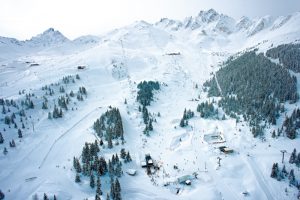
point(35, 197)
point(109, 145)
point(102, 166)
point(44, 106)
point(122, 153)
point(118, 170)
point(77, 178)
point(128, 157)
point(97, 197)
point(97, 146)
point(145, 115)
point(74, 163)
point(61, 89)
point(98, 190)
point(150, 127)
point(72, 93)
point(292, 177)
point(54, 197)
point(293, 157)
point(49, 115)
point(31, 105)
point(273, 134)
point(101, 142)
point(1, 138)
point(5, 151)
point(3, 110)
point(110, 168)
point(7, 120)
point(92, 181)
point(291, 133)
point(20, 135)
point(107, 197)
point(274, 173)
point(298, 160)
point(117, 189)
point(283, 171)
point(2, 196)
point(45, 197)
point(146, 130)
point(60, 113)
point(112, 190)
point(182, 124)
point(12, 143)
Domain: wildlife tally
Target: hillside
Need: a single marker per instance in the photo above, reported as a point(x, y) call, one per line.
point(78, 115)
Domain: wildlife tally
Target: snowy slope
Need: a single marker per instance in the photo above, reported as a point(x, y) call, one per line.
point(115, 62)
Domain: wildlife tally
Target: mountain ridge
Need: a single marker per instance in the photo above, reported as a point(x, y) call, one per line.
point(205, 20)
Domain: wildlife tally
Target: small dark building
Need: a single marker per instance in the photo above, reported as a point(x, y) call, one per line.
point(81, 67)
point(149, 160)
point(226, 150)
point(34, 64)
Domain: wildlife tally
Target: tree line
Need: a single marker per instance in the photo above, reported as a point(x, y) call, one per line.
point(288, 55)
point(253, 87)
point(109, 126)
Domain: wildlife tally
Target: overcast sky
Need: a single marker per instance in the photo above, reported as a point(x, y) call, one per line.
point(24, 18)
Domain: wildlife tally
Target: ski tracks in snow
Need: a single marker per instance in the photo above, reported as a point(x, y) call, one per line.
point(259, 177)
point(218, 85)
point(64, 134)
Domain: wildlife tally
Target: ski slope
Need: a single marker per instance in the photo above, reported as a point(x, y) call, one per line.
point(115, 63)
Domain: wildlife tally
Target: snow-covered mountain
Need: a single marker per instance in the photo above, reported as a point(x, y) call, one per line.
point(48, 38)
point(206, 23)
point(87, 39)
point(180, 54)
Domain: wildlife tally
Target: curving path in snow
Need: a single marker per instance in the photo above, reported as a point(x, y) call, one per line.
point(65, 133)
point(259, 177)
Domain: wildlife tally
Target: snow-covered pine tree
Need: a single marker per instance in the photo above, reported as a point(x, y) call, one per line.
point(293, 157)
point(117, 188)
point(122, 152)
point(112, 190)
point(98, 190)
point(97, 197)
point(128, 157)
point(92, 180)
point(12, 143)
point(2, 196)
point(77, 178)
point(20, 135)
point(5, 151)
point(45, 197)
point(1, 138)
point(274, 173)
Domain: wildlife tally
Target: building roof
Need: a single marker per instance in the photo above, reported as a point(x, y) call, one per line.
point(185, 178)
